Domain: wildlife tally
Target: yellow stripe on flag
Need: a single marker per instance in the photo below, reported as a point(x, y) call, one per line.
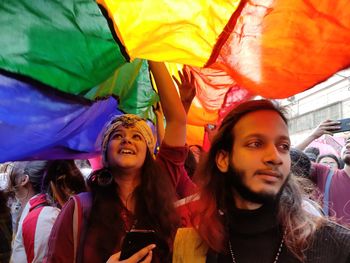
point(178, 31)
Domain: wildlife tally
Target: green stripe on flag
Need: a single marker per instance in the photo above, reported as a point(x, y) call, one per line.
point(65, 44)
point(131, 84)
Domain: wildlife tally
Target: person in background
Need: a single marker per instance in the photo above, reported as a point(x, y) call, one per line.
point(62, 180)
point(301, 164)
point(5, 229)
point(330, 160)
point(38, 216)
point(333, 184)
point(312, 153)
point(301, 169)
point(134, 189)
point(250, 207)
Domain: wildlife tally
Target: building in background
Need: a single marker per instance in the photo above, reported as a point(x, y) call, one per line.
point(327, 100)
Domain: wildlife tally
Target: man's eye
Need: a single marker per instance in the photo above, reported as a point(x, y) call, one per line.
point(284, 146)
point(256, 144)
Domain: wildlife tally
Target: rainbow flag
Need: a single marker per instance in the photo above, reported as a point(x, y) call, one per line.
point(235, 50)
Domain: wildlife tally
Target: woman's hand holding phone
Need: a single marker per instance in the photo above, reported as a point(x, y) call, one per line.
point(145, 252)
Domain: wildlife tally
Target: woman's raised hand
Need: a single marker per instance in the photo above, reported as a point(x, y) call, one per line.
point(145, 252)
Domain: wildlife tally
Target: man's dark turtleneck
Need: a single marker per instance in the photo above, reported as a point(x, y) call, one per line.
point(255, 235)
point(251, 222)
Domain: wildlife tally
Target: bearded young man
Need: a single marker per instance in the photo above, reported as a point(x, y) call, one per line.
point(250, 206)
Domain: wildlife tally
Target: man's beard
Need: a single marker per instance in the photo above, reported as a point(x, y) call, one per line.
point(235, 178)
point(346, 159)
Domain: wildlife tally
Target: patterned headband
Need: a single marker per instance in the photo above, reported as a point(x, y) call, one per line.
point(128, 121)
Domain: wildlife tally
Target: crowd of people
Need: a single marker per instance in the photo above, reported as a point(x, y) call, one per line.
point(249, 197)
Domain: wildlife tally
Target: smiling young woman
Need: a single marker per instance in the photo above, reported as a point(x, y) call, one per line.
point(134, 189)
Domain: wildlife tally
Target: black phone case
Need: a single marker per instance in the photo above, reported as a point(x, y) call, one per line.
point(136, 240)
point(344, 125)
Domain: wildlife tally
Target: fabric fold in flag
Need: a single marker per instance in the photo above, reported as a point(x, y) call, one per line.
point(179, 31)
point(272, 48)
point(41, 123)
point(131, 84)
point(278, 48)
point(65, 44)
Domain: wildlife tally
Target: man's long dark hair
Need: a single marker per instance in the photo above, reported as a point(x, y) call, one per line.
point(216, 192)
point(154, 198)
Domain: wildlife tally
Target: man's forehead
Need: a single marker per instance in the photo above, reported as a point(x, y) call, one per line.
point(261, 122)
point(265, 136)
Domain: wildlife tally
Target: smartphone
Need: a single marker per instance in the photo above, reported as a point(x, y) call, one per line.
point(344, 125)
point(135, 240)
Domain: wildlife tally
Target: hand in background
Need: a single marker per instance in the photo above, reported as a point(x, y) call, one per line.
point(186, 87)
point(325, 127)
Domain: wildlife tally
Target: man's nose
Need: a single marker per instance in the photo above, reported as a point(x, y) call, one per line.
point(272, 156)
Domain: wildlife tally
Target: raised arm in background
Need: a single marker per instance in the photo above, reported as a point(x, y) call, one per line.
point(325, 127)
point(186, 87)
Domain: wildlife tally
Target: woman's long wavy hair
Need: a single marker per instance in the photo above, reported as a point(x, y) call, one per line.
point(154, 198)
point(216, 194)
point(66, 177)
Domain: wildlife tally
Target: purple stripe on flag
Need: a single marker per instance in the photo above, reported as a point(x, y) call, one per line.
point(39, 123)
